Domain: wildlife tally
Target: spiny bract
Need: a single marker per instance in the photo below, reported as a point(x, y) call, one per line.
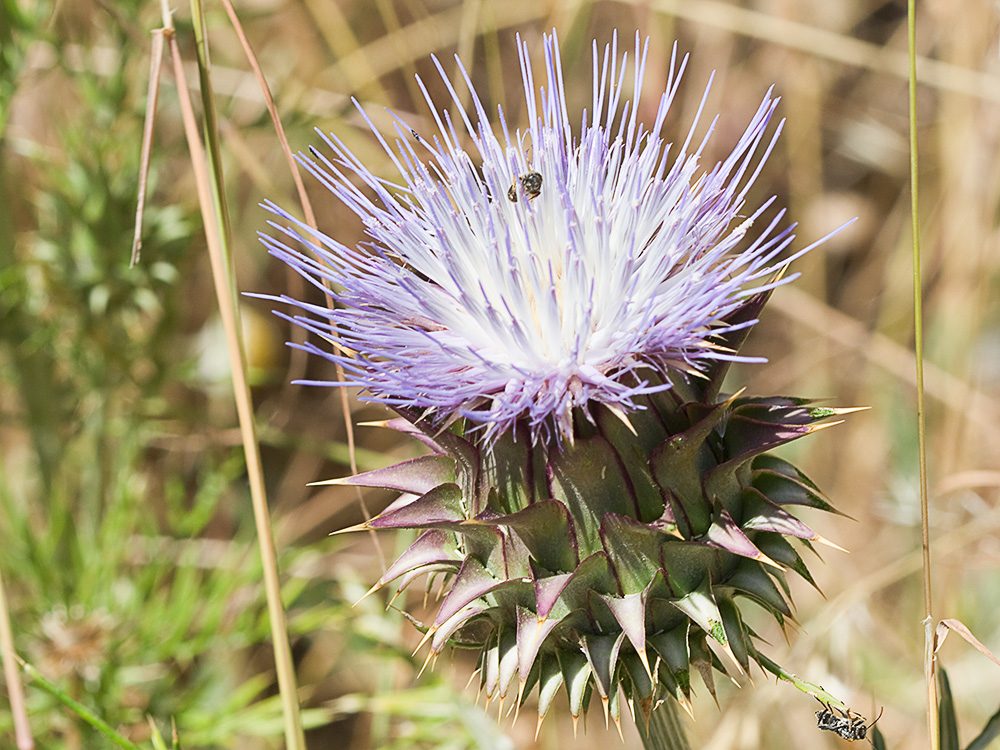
point(615, 561)
point(556, 329)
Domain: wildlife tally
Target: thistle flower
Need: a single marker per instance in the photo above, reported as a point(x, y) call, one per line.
point(552, 312)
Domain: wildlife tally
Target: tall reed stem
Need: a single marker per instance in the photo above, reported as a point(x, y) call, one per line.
point(918, 331)
point(212, 203)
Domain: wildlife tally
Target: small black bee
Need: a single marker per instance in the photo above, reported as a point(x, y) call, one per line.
point(849, 725)
point(532, 184)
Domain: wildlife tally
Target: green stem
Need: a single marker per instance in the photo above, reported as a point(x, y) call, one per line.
point(78, 708)
point(665, 729)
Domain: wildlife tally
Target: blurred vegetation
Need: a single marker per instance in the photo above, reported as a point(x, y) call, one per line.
point(126, 542)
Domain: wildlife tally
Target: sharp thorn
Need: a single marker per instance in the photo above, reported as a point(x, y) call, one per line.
point(849, 409)
point(393, 599)
point(324, 482)
point(728, 651)
point(357, 527)
point(768, 561)
point(472, 677)
point(645, 664)
point(426, 662)
point(371, 591)
point(427, 636)
point(686, 705)
point(623, 417)
point(821, 540)
point(825, 425)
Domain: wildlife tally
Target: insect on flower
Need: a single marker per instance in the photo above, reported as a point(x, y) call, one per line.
point(532, 184)
point(848, 725)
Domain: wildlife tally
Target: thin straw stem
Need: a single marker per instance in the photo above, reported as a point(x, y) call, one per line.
point(918, 330)
point(22, 731)
point(272, 110)
point(310, 217)
point(212, 218)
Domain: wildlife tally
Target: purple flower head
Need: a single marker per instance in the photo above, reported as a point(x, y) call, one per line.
point(514, 276)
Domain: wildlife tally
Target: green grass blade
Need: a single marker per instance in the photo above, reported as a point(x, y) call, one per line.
point(990, 732)
point(947, 722)
point(79, 709)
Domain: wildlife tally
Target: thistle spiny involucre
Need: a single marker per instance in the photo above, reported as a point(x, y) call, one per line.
point(552, 312)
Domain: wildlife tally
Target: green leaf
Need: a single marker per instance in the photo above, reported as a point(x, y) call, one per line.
point(614, 708)
point(433, 550)
point(503, 554)
point(763, 515)
point(787, 410)
point(947, 722)
point(491, 665)
point(701, 607)
point(508, 659)
point(687, 565)
point(441, 635)
point(643, 686)
point(746, 438)
point(557, 596)
point(990, 732)
point(725, 534)
point(703, 660)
